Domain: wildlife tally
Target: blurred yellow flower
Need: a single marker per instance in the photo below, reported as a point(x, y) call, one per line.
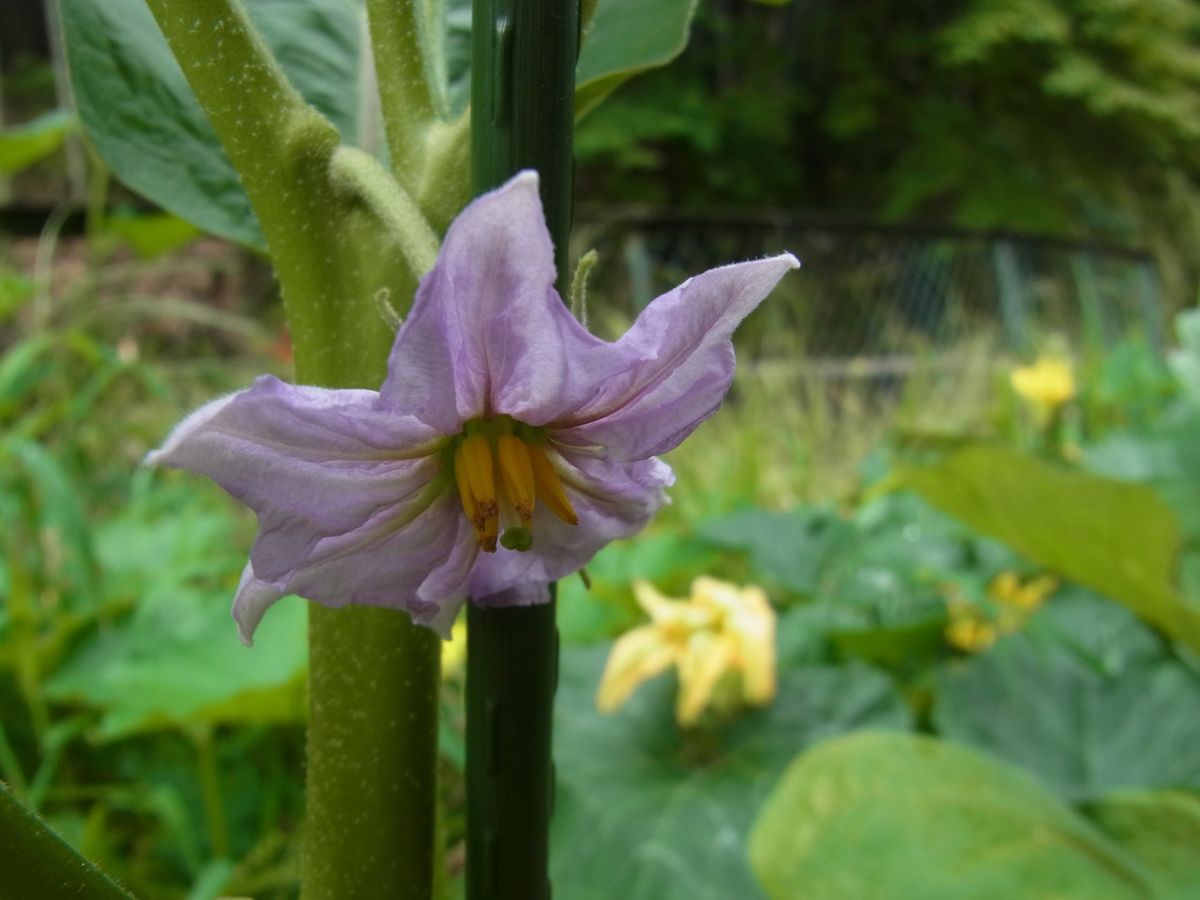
point(970, 632)
point(719, 630)
point(1008, 589)
point(972, 629)
point(454, 651)
point(1047, 384)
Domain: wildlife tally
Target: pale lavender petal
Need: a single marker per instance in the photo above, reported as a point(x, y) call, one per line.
point(487, 332)
point(439, 618)
point(612, 500)
point(526, 594)
point(674, 366)
point(382, 562)
point(352, 502)
point(311, 462)
point(253, 599)
point(442, 593)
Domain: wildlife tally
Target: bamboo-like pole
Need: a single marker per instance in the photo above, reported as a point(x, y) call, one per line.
point(522, 96)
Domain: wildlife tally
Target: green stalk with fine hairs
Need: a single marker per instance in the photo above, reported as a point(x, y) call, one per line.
point(522, 108)
point(339, 233)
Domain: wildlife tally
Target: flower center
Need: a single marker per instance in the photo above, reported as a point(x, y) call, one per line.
point(502, 471)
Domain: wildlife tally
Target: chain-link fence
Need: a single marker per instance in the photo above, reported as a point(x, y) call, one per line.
point(870, 297)
point(883, 326)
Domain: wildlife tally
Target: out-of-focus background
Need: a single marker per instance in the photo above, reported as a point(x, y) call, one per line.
point(954, 495)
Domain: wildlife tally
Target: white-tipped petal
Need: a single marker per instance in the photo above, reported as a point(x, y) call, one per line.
point(254, 597)
point(442, 621)
point(192, 424)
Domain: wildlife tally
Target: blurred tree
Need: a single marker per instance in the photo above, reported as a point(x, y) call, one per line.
point(1061, 116)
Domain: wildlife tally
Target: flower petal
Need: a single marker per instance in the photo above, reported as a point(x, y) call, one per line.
point(311, 462)
point(350, 506)
point(382, 562)
point(637, 656)
point(524, 594)
point(701, 665)
point(444, 591)
point(671, 370)
point(252, 600)
point(488, 333)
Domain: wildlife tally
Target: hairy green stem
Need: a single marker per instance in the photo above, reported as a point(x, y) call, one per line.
point(372, 755)
point(36, 862)
point(360, 175)
point(330, 251)
point(407, 40)
point(522, 96)
point(339, 233)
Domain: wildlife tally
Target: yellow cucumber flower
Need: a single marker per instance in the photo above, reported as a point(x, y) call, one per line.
point(720, 630)
point(1047, 384)
point(973, 629)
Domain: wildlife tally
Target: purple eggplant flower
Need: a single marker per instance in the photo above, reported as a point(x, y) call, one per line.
point(505, 448)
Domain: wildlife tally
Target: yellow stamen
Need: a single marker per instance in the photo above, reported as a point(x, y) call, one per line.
point(477, 488)
point(516, 474)
point(549, 488)
point(469, 504)
point(491, 531)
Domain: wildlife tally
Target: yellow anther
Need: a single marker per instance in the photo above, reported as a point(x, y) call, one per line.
point(477, 461)
point(464, 487)
point(516, 475)
point(549, 488)
point(477, 489)
point(491, 531)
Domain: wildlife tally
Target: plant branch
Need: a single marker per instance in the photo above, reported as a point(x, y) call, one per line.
point(359, 175)
point(406, 36)
point(338, 234)
point(327, 249)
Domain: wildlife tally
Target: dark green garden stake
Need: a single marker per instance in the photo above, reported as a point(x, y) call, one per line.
point(522, 99)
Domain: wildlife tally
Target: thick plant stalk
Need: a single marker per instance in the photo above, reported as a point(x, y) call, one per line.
point(330, 248)
point(370, 825)
point(339, 233)
point(522, 92)
point(411, 89)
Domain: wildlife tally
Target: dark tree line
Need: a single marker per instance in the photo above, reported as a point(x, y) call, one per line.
point(1069, 117)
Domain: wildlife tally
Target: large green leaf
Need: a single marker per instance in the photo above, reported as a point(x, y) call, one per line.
point(1120, 539)
point(148, 127)
point(894, 549)
point(176, 660)
point(23, 145)
point(667, 813)
point(896, 817)
point(1164, 456)
point(791, 548)
point(625, 37)
point(1185, 360)
point(1162, 829)
point(1112, 712)
point(146, 123)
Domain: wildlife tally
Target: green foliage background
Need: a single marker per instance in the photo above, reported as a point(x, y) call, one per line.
point(1058, 762)
point(1044, 115)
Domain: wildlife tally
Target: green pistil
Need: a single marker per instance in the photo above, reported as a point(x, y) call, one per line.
point(519, 539)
